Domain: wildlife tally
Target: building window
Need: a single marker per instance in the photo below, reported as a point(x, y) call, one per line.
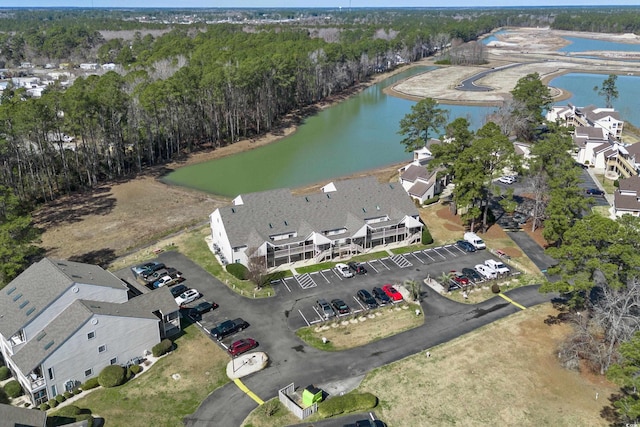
point(40, 396)
point(113, 361)
point(54, 391)
point(88, 372)
point(50, 371)
point(102, 348)
point(91, 335)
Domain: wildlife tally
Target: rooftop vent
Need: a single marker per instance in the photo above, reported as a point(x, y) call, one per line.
point(233, 210)
point(31, 310)
point(10, 291)
point(40, 336)
point(24, 304)
point(306, 198)
point(48, 345)
point(17, 297)
point(364, 210)
point(286, 223)
point(328, 196)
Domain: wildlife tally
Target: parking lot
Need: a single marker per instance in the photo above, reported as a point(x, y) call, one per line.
point(329, 284)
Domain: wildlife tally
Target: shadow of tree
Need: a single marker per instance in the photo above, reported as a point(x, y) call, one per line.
point(609, 412)
point(72, 208)
point(101, 257)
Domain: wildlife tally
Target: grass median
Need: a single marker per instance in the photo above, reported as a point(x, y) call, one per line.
point(362, 328)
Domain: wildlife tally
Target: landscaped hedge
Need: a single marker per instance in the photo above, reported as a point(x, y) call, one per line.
point(90, 383)
point(431, 201)
point(68, 411)
point(44, 407)
point(136, 369)
point(67, 394)
point(112, 376)
point(238, 270)
point(3, 396)
point(52, 403)
point(73, 412)
point(60, 398)
point(13, 389)
point(426, 236)
point(350, 402)
point(161, 348)
point(4, 373)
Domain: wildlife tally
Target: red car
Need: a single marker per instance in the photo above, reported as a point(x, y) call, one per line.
point(392, 293)
point(242, 346)
point(459, 278)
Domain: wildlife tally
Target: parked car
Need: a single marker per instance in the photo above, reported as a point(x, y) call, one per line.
point(392, 292)
point(152, 269)
point(195, 313)
point(167, 271)
point(228, 327)
point(507, 179)
point(472, 274)
point(498, 266)
point(325, 309)
point(177, 290)
point(187, 296)
point(242, 346)
point(520, 218)
point(465, 246)
point(167, 280)
point(459, 278)
point(365, 298)
point(138, 269)
point(379, 294)
point(595, 192)
point(344, 270)
point(340, 306)
point(486, 272)
point(357, 268)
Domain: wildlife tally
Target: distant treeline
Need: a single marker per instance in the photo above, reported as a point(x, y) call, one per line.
point(196, 86)
point(618, 20)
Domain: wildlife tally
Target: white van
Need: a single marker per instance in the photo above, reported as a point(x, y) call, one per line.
point(498, 266)
point(476, 241)
point(486, 272)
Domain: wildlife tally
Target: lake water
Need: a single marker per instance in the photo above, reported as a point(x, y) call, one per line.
point(355, 135)
point(581, 86)
point(361, 134)
point(579, 44)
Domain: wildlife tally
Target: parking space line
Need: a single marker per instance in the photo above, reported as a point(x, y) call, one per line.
point(304, 318)
point(416, 257)
point(520, 306)
point(385, 265)
point(425, 252)
point(460, 250)
point(248, 392)
point(372, 267)
point(436, 251)
point(359, 303)
point(325, 277)
point(446, 248)
point(284, 282)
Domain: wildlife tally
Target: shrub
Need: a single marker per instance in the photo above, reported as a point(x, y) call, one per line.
point(161, 348)
point(68, 411)
point(136, 369)
point(3, 396)
point(129, 374)
point(350, 402)
point(495, 288)
point(431, 201)
point(52, 403)
point(112, 376)
point(13, 389)
point(44, 406)
point(87, 417)
point(616, 183)
point(238, 270)
point(91, 383)
point(4, 373)
point(77, 391)
point(426, 236)
point(67, 394)
point(60, 398)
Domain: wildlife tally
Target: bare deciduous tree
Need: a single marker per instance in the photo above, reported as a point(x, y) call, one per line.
point(256, 268)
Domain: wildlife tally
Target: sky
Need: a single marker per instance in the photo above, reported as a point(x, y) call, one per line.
point(307, 3)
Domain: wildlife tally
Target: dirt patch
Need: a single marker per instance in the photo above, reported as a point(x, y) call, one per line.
point(535, 235)
point(512, 252)
point(506, 373)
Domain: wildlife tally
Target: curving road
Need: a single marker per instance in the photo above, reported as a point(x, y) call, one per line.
point(469, 84)
point(294, 361)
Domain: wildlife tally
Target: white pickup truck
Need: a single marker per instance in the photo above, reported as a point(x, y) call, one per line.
point(498, 266)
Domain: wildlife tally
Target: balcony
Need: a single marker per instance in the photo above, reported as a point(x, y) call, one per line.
point(36, 381)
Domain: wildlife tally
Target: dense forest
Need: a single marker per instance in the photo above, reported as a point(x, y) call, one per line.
point(190, 80)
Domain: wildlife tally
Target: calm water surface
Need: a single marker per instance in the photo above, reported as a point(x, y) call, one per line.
point(355, 135)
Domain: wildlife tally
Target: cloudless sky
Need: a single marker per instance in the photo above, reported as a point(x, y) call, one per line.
point(307, 3)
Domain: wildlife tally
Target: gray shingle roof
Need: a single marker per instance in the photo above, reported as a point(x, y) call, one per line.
point(630, 184)
point(41, 284)
point(37, 349)
point(277, 212)
point(160, 299)
point(414, 172)
point(13, 416)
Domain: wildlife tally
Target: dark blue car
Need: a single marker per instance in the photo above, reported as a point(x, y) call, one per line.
point(465, 246)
